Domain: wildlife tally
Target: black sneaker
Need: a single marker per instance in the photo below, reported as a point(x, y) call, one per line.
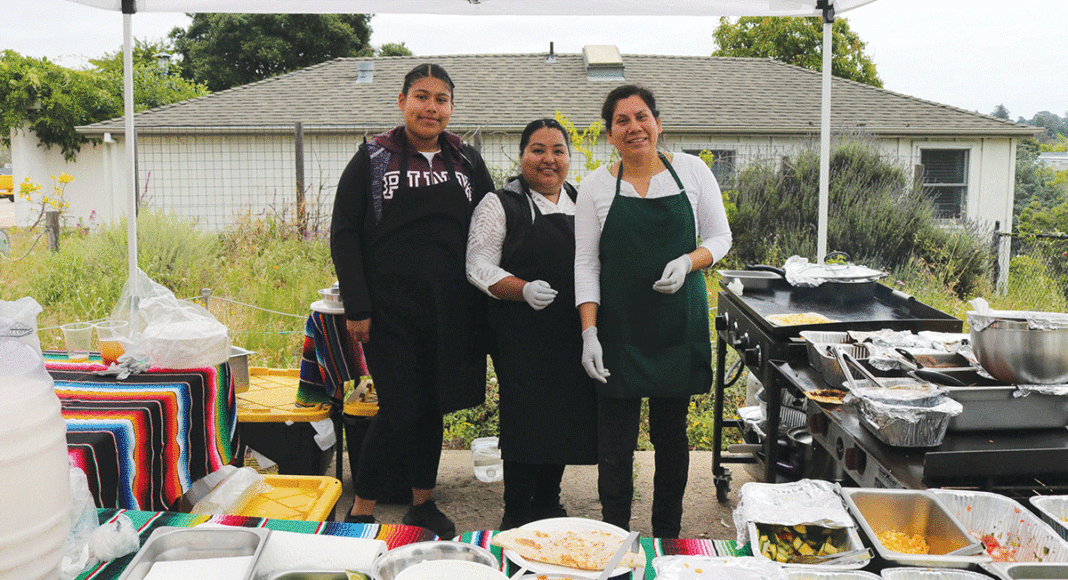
point(549, 510)
point(427, 515)
point(359, 519)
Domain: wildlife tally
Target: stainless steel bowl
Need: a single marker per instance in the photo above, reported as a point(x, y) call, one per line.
point(389, 564)
point(1013, 353)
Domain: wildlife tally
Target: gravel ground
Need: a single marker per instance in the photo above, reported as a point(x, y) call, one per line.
point(474, 505)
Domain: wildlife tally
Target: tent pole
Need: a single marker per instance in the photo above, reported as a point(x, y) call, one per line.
point(825, 129)
point(128, 101)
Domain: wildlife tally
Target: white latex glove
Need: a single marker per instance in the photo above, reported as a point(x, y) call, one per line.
point(538, 294)
point(593, 356)
point(674, 275)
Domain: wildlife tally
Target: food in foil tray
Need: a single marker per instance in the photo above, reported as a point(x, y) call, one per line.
point(903, 543)
point(796, 544)
point(997, 551)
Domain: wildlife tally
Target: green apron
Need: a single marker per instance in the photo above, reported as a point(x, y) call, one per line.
point(655, 345)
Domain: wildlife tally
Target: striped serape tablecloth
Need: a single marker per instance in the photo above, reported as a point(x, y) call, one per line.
point(328, 360)
point(144, 439)
point(146, 522)
point(653, 547)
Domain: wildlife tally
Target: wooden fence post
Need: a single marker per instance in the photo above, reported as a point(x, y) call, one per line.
point(298, 143)
point(52, 229)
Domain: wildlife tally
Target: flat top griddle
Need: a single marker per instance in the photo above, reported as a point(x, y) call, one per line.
point(886, 308)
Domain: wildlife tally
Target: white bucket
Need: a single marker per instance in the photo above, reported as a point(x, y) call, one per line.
point(34, 480)
point(486, 459)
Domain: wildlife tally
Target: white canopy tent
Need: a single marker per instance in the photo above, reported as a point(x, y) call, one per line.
point(823, 8)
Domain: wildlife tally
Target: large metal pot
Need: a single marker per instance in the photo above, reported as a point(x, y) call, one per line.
point(843, 285)
point(1014, 353)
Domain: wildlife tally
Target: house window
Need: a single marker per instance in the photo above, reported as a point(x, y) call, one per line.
point(722, 165)
point(945, 179)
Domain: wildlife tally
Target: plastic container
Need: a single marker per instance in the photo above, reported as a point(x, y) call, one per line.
point(305, 498)
point(486, 459)
point(272, 423)
point(34, 472)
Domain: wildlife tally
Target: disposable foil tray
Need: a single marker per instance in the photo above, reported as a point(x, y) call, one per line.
point(1031, 570)
point(799, 574)
point(197, 546)
point(930, 574)
point(1054, 511)
point(821, 357)
point(907, 425)
point(1022, 534)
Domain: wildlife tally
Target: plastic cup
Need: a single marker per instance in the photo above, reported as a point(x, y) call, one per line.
point(110, 334)
point(78, 335)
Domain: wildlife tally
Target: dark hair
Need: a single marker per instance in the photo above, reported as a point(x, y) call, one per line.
point(542, 124)
point(426, 71)
point(608, 110)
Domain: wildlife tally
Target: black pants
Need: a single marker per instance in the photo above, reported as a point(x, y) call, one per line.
point(617, 436)
point(420, 450)
point(529, 488)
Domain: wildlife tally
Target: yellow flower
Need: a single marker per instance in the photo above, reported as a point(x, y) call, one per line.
point(65, 178)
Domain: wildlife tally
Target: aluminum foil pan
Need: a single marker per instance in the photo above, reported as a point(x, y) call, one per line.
point(1023, 535)
point(814, 574)
point(1054, 511)
point(821, 357)
point(930, 574)
point(1029, 570)
point(907, 425)
point(902, 391)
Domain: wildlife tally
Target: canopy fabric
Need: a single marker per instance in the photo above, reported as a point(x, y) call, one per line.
point(492, 7)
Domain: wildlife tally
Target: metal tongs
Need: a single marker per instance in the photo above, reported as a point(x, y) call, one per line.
point(630, 544)
point(844, 360)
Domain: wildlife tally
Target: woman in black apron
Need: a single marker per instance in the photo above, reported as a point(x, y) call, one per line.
point(521, 251)
point(643, 302)
point(398, 241)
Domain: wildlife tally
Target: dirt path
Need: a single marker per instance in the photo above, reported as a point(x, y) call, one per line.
point(474, 505)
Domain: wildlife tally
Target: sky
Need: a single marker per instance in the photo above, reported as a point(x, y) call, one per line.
point(971, 54)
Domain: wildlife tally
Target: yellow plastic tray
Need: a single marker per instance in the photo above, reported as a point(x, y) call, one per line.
point(363, 400)
point(271, 398)
point(308, 498)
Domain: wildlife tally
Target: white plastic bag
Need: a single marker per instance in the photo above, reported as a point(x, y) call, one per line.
point(25, 311)
point(168, 332)
point(233, 493)
point(114, 539)
point(77, 556)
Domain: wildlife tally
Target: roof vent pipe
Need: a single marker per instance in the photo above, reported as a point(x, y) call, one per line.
point(552, 55)
point(365, 71)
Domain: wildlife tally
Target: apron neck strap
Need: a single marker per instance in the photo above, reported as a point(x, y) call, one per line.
point(663, 159)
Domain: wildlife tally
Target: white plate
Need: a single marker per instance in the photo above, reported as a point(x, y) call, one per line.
point(321, 306)
point(570, 524)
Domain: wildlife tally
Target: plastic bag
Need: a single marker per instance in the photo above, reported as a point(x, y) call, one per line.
point(25, 311)
point(77, 556)
point(114, 539)
point(168, 332)
point(233, 493)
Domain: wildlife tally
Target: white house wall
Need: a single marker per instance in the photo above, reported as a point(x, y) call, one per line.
point(89, 192)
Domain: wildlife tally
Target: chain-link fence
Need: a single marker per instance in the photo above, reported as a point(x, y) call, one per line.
point(1035, 265)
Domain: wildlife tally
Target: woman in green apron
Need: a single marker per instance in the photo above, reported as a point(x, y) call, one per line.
point(645, 227)
point(521, 251)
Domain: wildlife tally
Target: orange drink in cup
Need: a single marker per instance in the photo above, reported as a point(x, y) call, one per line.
point(110, 334)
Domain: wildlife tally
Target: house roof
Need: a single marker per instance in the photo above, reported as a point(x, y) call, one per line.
point(505, 91)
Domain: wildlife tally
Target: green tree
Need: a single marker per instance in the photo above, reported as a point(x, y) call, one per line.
point(1000, 112)
point(156, 76)
point(1054, 125)
point(393, 49)
point(797, 41)
point(1036, 184)
point(228, 50)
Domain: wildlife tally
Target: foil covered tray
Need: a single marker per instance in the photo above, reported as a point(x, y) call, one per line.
point(1008, 529)
point(907, 425)
point(814, 574)
point(930, 574)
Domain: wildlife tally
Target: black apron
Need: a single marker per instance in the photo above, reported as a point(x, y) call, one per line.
point(655, 345)
point(424, 352)
point(548, 404)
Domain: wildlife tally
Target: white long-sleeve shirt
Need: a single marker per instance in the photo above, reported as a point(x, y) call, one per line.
point(486, 237)
point(596, 192)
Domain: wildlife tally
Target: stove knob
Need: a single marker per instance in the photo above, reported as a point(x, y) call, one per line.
point(855, 459)
point(721, 322)
point(751, 356)
point(741, 343)
point(817, 424)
